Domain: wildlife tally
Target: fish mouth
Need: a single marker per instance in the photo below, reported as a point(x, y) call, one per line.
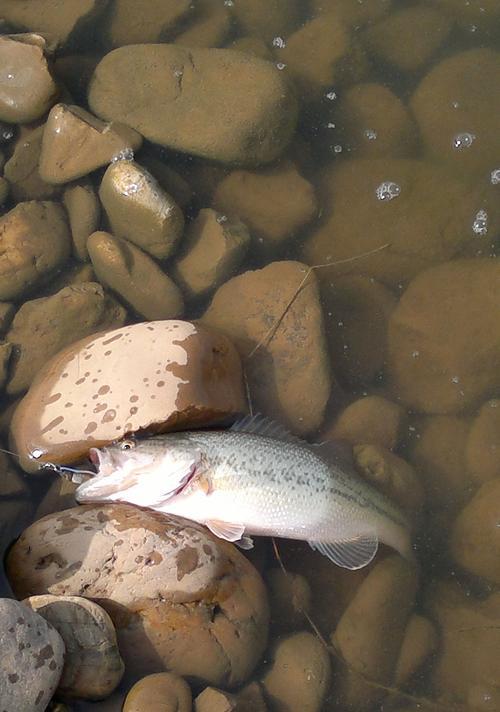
point(95, 457)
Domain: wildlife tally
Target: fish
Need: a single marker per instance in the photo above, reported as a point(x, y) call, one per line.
point(253, 479)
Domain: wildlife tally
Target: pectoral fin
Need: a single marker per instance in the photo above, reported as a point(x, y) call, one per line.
point(349, 553)
point(226, 530)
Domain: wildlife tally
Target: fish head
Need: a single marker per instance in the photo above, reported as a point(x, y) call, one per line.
point(143, 472)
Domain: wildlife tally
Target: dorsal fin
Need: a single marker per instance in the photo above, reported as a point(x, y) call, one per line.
point(267, 427)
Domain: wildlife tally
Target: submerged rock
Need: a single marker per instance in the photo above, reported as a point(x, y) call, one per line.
point(144, 377)
point(252, 109)
point(159, 692)
point(187, 601)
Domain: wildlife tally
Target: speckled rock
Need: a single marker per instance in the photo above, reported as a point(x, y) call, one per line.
point(21, 170)
point(32, 658)
point(299, 675)
point(436, 375)
point(35, 241)
point(63, 24)
point(138, 209)
point(187, 601)
point(408, 38)
point(253, 110)
point(76, 143)
point(27, 89)
point(482, 449)
point(44, 326)
point(159, 692)
point(467, 665)
point(375, 123)
point(475, 537)
point(84, 212)
point(289, 375)
point(383, 602)
point(372, 419)
point(92, 664)
point(430, 218)
point(453, 128)
point(156, 20)
point(186, 375)
point(261, 199)
point(135, 277)
point(213, 249)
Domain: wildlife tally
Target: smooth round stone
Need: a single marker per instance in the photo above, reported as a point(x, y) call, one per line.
point(92, 666)
point(21, 170)
point(35, 242)
point(84, 212)
point(143, 377)
point(76, 143)
point(136, 277)
point(252, 108)
point(139, 210)
point(27, 89)
point(32, 658)
point(159, 692)
point(180, 598)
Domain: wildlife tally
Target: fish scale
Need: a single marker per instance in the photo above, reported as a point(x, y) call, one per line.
point(253, 479)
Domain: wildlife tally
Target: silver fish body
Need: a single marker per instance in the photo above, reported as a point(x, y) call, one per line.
point(246, 483)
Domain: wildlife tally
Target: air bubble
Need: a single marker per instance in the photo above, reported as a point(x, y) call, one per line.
point(463, 140)
point(480, 224)
point(280, 66)
point(279, 42)
point(495, 176)
point(388, 190)
point(331, 95)
point(126, 154)
point(371, 134)
point(337, 148)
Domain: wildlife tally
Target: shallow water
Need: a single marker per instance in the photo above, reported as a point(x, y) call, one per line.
point(389, 187)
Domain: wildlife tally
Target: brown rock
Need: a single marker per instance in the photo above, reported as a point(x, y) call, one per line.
point(429, 219)
point(59, 496)
point(63, 24)
point(199, 383)
point(261, 199)
point(5, 354)
point(482, 447)
point(437, 375)
point(289, 375)
point(453, 128)
point(374, 123)
point(268, 19)
point(157, 19)
point(92, 664)
point(4, 190)
point(135, 277)
point(290, 599)
point(212, 700)
point(475, 537)
point(138, 210)
point(34, 240)
point(27, 90)
point(170, 181)
point(407, 39)
point(354, 14)
point(84, 212)
point(318, 53)
point(44, 326)
point(75, 143)
point(186, 600)
point(372, 419)
point(159, 692)
point(382, 603)
point(420, 641)
point(252, 45)
point(214, 248)
point(467, 666)
point(299, 675)
point(21, 170)
point(253, 111)
point(210, 25)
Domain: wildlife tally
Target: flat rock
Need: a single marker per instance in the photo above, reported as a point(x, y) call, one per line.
point(252, 109)
point(184, 600)
point(32, 658)
point(145, 377)
point(27, 89)
point(289, 374)
point(76, 143)
point(44, 326)
point(92, 665)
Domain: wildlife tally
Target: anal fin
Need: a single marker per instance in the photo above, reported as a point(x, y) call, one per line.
point(230, 531)
point(352, 553)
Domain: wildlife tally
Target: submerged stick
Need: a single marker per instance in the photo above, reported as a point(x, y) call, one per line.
point(268, 337)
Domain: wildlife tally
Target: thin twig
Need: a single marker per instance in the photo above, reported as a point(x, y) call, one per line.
point(267, 338)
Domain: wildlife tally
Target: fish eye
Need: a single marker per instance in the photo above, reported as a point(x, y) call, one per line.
point(127, 445)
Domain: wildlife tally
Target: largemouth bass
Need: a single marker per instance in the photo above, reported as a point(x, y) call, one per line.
point(253, 479)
